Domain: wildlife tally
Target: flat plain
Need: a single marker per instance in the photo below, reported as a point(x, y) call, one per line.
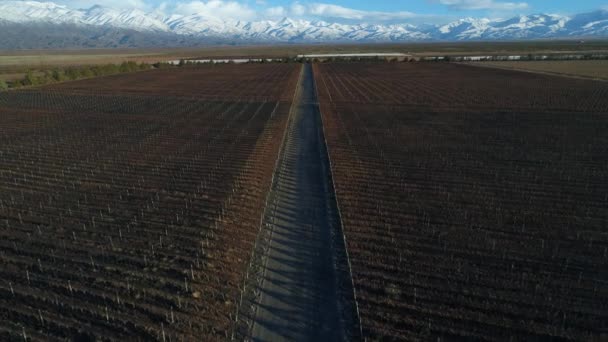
point(594, 69)
point(470, 203)
point(129, 204)
point(20, 61)
point(474, 201)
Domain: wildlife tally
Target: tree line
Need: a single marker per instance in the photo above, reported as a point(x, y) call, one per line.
point(56, 75)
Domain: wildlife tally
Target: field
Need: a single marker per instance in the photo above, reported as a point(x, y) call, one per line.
point(474, 200)
point(129, 203)
point(15, 76)
point(17, 62)
point(14, 66)
point(588, 69)
point(425, 201)
point(50, 60)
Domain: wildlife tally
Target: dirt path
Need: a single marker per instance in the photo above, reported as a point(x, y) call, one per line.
point(301, 294)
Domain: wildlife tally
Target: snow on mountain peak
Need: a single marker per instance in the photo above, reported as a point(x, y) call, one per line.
point(294, 29)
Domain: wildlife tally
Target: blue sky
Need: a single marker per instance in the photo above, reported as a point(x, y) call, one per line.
point(381, 11)
point(463, 7)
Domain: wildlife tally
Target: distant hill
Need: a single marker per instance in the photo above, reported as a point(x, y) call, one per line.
point(40, 35)
point(32, 24)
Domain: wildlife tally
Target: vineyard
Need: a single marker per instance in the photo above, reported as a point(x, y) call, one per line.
point(474, 201)
point(252, 82)
point(596, 69)
point(129, 204)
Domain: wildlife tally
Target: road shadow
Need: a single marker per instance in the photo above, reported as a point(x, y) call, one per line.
point(298, 299)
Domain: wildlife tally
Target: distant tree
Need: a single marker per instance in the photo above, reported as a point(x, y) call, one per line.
point(72, 73)
point(124, 67)
point(144, 66)
point(112, 69)
point(29, 79)
point(86, 72)
point(98, 70)
point(128, 67)
point(48, 77)
point(161, 65)
point(57, 75)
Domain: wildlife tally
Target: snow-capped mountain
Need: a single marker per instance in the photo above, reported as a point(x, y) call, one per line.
point(520, 27)
point(33, 11)
point(198, 26)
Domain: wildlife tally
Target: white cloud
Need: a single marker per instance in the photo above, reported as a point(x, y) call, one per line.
point(216, 8)
point(163, 7)
point(325, 10)
point(483, 5)
point(335, 11)
point(240, 10)
point(297, 9)
point(275, 12)
point(246, 9)
point(118, 4)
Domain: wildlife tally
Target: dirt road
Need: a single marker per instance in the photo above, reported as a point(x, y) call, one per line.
point(301, 295)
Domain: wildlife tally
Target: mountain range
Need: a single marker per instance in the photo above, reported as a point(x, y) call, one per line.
point(32, 24)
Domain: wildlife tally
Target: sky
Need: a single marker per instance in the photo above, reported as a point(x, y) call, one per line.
point(374, 11)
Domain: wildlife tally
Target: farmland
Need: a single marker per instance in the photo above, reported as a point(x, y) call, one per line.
point(589, 69)
point(473, 200)
point(276, 201)
point(129, 204)
point(15, 63)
